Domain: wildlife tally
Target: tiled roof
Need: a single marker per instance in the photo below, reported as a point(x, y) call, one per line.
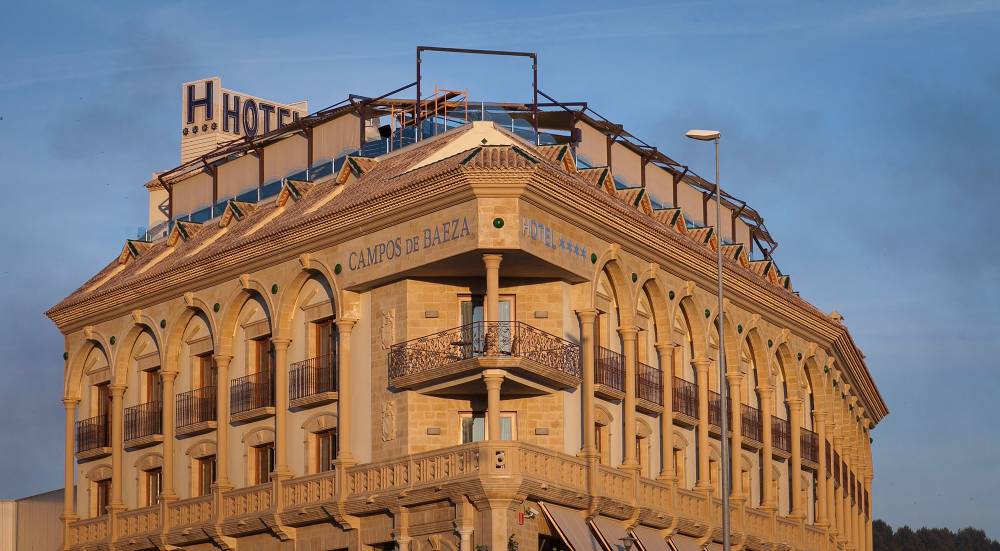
point(672, 218)
point(559, 154)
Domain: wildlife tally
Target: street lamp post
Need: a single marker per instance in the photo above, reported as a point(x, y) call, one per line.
point(714, 136)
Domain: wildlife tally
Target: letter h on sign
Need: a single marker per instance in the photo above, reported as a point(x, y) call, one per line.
point(205, 102)
point(231, 114)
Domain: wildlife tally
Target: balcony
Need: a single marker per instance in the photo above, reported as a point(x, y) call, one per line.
point(313, 382)
point(143, 425)
point(751, 424)
point(196, 411)
point(251, 397)
point(649, 389)
point(715, 411)
point(92, 438)
point(810, 446)
point(685, 398)
point(781, 435)
point(609, 374)
point(451, 361)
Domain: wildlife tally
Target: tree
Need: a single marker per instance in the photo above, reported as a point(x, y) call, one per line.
point(929, 539)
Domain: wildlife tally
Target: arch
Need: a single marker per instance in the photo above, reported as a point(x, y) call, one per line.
point(609, 264)
point(98, 472)
point(602, 416)
point(786, 362)
point(175, 336)
point(78, 360)
point(143, 325)
point(200, 449)
point(687, 310)
point(258, 436)
point(311, 269)
point(649, 285)
point(149, 461)
point(642, 428)
point(319, 422)
point(249, 289)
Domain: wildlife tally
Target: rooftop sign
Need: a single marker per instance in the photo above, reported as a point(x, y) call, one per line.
point(211, 115)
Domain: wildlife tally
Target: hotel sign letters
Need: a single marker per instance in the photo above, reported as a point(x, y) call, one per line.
point(209, 107)
point(400, 246)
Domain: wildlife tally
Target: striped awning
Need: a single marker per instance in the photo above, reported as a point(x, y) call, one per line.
point(611, 532)
point(650, 539)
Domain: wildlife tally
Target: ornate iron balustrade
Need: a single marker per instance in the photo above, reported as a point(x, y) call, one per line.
point(610, 369)
point(750, 423)
point(781, 434)
point(92, 433)
point(143, 420)
point(196, 406)
point(251, 392)
point(313, 376)
point(483, 339)
point(810, 445)
point(685, 396)
point(649, 383)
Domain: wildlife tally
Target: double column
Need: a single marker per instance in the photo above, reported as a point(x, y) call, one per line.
point(795, 421)
point(69, 504)
point(493, 378)
point(701, 366)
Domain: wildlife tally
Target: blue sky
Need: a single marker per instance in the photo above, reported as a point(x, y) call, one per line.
point(863, 131)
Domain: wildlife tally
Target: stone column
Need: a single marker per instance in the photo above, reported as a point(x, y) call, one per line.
point(701, 366)
point(768, 500)
point(628, 335)
point(69, 503)
point(839, 492)
point(493, 379)
point(344, 328)
point(735, 394)
point(831, 509)
point(868, 519)
point(795, 422)
point(665, 354)
point(492, 262)
point(168, 493)
point(280, 368)
point(819, 421)
point(222, 421)
point(117, 443)
point(587, 318)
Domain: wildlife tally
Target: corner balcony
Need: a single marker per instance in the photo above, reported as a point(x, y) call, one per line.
point(196, 411)
point(251, 397)
point(451, 362)
point(313, 382)
point(143, 425)
point(92, 438)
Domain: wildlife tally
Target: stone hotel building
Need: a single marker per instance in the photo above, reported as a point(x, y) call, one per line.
point(450, 325)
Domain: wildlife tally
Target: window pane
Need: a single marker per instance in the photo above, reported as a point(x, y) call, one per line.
point(506, 428)
point(478, 427)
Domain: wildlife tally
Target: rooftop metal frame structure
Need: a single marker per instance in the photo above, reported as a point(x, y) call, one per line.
point(554, 113)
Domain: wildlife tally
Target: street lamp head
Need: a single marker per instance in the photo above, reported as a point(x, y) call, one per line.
point(704, 135)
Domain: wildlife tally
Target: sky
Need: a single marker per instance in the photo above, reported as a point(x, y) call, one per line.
point(864, 132)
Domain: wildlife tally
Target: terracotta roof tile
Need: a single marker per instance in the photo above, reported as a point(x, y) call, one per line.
point(672, 218)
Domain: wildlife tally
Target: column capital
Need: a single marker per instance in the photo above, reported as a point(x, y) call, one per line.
point(665, 346)
point(494, 375)
point(587, 314)
point(281, 342)
point(734, 377)
point(794, 403)
point(70, 403)
point(628, 333)
point(765, 391)
point(345, 325)
point(117, 390)
point(701, 363)
point(492, 260)
point(222, 357)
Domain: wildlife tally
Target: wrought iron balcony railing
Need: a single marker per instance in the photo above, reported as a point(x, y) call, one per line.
point(610, 369)
point(196, 406)
point(649, 383)
point(750, 423)
point(482, 339)
point(313, 376)
point(685, 397)
point(143, 420)
point(781, 434)
point(810, 445)
point(251, 392)
point(92, 433)
point(715, 408)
